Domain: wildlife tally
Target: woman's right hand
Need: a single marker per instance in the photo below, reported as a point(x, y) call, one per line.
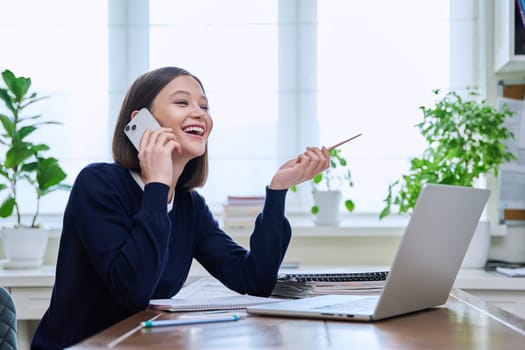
point(303, 168)
point(155, 155)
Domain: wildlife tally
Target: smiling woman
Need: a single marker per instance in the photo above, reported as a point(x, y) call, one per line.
point(133, 227)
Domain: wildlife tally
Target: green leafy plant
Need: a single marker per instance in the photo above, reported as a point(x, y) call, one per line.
point(466, 139)
point(23, 159)
point(332, 179)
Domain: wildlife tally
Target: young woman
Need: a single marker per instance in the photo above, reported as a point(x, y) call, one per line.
point(131, 228)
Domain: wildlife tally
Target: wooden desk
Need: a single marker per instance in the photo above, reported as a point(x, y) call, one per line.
point(465, 322)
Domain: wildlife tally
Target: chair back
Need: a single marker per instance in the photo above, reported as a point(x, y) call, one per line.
point(7, 321)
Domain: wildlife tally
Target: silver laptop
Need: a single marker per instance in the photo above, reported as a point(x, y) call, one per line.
point(424, 269)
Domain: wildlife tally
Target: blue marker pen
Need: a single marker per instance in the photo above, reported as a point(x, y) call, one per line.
point(160, 323)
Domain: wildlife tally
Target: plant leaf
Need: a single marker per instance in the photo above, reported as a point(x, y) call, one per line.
point(49, 173)
point(63, 187)
point(8, 125)
point(24, 131)
point(4, 95)
point(349, 204)
point(17, 155)
point(17, 85)
point(6, 209)
point(317, 178)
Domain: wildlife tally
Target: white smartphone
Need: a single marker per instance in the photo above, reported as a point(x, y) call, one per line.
point(137, 126)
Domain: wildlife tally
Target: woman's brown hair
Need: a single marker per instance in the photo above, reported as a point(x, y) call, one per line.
point(141, 94)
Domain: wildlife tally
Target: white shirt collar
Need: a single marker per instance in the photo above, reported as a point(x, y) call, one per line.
point(139, 182)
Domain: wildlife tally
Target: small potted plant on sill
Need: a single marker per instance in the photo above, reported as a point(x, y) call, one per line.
point(23, 162)
point(466, 139)
point(327, 190)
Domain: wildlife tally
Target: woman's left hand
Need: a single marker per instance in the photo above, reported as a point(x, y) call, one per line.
point(303, 168)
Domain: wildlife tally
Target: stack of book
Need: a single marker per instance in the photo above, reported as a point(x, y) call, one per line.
point(302, 285)
point(511, 271)
point(241, 211)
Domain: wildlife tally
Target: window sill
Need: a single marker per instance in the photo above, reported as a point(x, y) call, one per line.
point(352, 225)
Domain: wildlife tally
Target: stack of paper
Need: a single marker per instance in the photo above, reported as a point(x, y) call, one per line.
point(307, 285)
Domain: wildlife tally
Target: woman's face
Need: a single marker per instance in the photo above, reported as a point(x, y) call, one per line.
point(182, 106)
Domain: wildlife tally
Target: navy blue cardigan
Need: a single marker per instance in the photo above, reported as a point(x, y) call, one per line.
point(120, 247)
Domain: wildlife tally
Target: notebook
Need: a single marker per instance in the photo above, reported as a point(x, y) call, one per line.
point(333, 277)
point(207, 294)
point(423, 271)
point(230, 302)
point(300, 285)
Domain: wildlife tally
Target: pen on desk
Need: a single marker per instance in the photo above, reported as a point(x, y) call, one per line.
point(160, 323)
point(343, 142)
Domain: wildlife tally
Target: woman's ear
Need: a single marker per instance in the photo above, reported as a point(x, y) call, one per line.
point(133, 114)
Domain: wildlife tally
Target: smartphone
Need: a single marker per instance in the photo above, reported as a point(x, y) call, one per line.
point(137, 126)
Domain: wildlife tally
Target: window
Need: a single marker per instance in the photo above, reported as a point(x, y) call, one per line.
point(62, 46)
point(374, 63)
point(378, 61)
point(235, 55)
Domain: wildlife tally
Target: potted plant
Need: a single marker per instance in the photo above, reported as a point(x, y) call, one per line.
point(327, 190)
point(466, 139)
point(23, 162)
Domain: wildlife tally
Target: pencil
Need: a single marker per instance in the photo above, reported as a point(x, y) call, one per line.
point(345, 141)
point(160, 323)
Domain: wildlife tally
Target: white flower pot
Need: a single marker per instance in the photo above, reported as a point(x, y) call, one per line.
point(24, 247)
point(328, 203)
point(478, 250)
